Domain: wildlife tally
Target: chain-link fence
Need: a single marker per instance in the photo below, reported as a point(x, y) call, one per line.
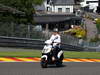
point(68, 39)
point(36, 32)
point(76, 42)
point(20, 30)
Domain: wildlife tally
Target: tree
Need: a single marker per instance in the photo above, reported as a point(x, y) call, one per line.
point(26, 6)
point(16, 19)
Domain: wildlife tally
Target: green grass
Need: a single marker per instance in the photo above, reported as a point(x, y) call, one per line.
point(89, 55)
point(37, 53)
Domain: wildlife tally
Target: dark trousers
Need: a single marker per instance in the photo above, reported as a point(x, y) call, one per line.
point(56, 49)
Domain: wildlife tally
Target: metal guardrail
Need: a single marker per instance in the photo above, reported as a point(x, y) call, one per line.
point(32, 43)
point(20, 42)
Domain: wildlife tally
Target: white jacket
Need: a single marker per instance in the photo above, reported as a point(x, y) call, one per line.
point(56, 39)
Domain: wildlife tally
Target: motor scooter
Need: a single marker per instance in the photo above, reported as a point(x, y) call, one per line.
point(47, 57)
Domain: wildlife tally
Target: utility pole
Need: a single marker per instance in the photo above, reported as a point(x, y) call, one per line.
point(98, 8)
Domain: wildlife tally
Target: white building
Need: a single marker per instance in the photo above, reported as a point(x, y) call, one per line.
point(58, 6)
point(92, 4)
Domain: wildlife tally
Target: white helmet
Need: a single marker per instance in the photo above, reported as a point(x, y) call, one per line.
point(55, 30)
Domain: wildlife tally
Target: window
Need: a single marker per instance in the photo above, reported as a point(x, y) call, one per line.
point(67, 10)
point(60, 10)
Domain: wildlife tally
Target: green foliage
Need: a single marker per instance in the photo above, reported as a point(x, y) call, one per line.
point(26, 6)
point(98, 24)
point(95, 39)
point(78, 32)
point(16, 24)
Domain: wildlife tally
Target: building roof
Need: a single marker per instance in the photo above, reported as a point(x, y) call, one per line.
point(4, 8)
point(55, 2)
point(54, 18)
point(63, 2)
point(40, 7)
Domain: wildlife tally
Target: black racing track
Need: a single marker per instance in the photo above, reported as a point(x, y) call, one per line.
point(69, 68)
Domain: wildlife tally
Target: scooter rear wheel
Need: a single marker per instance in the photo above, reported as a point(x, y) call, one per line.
point(43, 63)
point(58, 63)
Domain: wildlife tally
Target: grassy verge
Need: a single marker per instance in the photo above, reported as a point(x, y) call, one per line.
point(89, 55)
point(37, 53)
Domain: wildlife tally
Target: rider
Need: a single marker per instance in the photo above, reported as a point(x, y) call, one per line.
point(56, 40)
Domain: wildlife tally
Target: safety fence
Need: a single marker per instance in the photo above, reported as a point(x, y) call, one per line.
point(37, 32)
point(21, 42)
point(32, 43)
point(30, 36)
point(39, 43)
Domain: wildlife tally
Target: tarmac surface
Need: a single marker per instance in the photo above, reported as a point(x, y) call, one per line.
point(91, 29)
point(34, 68)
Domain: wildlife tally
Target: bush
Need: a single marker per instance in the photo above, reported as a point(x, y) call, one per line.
point(98, 24)
point(95, 39)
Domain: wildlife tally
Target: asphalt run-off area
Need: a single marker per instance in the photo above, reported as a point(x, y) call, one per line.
point(31, 66)
point(34, 68)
